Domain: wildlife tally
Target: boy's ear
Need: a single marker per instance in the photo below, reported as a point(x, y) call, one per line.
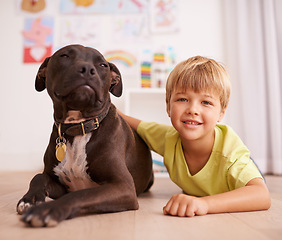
point(168, 109)
point(221, 115)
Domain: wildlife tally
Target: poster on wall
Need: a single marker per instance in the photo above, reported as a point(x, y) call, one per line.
point(84, 30)
point(130, 28)
point(38, 39)
point(35, 7)
point(163, 16)
point(124, 59)
point(103, 6)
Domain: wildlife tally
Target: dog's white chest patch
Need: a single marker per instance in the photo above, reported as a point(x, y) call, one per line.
point(72, 170)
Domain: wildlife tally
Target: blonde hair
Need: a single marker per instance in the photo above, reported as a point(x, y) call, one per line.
point(200, 74)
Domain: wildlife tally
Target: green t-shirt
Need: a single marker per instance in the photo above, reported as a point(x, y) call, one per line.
point(229, 166)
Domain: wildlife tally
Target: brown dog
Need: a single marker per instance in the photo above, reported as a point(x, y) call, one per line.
point(94, 163)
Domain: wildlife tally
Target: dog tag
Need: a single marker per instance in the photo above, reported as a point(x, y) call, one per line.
point(61, 149)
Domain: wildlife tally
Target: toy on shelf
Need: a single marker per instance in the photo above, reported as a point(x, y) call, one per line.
point(158, 70)
point(146, 74)
point(146, 64)
point(156, 66)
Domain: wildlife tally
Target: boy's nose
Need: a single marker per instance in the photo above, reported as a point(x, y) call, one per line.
point(193, 109)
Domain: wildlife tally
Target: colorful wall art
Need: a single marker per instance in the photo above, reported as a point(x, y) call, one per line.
point(103, 6)
point(38, 39)
point(35, 7)
point(130, 28)
point(125, 60)
point(163, 16)
point(125, 31)
point(84, 30)
point(121, 57)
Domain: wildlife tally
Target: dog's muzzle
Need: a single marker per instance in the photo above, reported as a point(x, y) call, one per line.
point(80, 98)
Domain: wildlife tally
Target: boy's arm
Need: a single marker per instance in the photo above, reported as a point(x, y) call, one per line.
point(253, 197)
point(133, 122)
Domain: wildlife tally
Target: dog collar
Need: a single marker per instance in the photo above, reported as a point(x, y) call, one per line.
point(76, 129)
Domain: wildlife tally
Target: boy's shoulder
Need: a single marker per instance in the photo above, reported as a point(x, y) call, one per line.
point(145, 124)
point(225, 131)
point(228, 142)
point(151, 127)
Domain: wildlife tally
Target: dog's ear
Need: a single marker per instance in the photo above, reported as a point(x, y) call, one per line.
point(41, 76)
point(116, 85)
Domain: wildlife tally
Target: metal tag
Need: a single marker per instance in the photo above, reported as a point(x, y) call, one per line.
point(61, 149)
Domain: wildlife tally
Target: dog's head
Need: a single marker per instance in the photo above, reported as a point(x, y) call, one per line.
point(78, 78)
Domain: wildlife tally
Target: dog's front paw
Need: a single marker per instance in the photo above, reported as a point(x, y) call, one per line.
point(29, 200)
point(45, 215)
point(22, 207)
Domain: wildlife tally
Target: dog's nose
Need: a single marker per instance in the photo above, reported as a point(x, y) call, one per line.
point(87, 69)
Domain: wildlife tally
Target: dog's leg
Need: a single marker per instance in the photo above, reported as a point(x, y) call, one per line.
point(40, 186)
point(105, 198)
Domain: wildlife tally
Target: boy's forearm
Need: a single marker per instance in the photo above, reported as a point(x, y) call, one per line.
point(249, 198)
point(252, 197)
point(133, 122)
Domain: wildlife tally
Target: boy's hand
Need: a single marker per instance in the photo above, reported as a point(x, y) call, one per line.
point(183, 205)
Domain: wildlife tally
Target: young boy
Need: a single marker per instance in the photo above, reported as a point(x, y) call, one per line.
point(206, 160)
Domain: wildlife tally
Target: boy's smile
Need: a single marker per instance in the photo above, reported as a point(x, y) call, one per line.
point(194, 115)
point(192, 122)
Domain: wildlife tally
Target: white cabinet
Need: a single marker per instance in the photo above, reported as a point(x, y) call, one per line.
point(146, 104)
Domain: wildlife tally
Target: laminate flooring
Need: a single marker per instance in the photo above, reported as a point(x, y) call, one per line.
point(146, 223)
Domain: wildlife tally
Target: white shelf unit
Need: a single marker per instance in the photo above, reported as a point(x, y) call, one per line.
point(148, 104)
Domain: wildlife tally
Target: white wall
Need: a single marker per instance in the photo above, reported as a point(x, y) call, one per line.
point(26, 115)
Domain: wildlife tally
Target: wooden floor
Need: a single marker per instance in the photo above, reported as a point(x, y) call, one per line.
point(146, 223)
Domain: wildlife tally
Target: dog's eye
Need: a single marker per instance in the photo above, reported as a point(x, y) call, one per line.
point(104, 65)
point(64, 56)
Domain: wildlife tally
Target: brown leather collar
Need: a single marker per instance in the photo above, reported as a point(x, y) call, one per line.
point(76, 129)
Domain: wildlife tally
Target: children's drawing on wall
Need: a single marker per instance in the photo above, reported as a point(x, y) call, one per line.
point(85, 30)
point(130, 29)
point(125, 60)
point(121, 58)
point(38, 39)
point(132, 6)
point(103, 6)
point(35, 7)
point(163, 16)
point(77, 6)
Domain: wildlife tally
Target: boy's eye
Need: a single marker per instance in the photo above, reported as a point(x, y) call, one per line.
point(206, 103)
point(182, 100)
